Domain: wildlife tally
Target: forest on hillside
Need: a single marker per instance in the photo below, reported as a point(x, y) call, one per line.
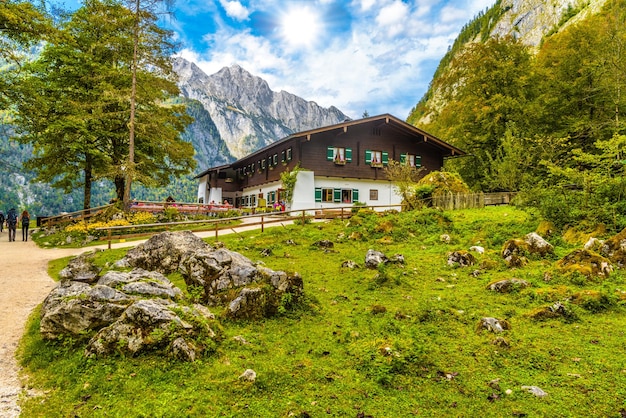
point(546, 124)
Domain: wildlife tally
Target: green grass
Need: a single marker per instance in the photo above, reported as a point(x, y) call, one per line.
point(400, 341)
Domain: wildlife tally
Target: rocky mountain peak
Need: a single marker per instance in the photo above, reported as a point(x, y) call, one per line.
point(246, 112)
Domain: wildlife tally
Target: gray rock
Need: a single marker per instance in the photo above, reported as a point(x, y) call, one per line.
point(152, 324)
point(74, 308)
point(250, 303)
point(163, 252)
point(535, 390)
point(538, 245)
point(141, 282)
point(493, 324)
point(248, 375)
point(349, 264)
point(374, 258)
point(461, 259)
point(593, 244)
point(477, 248)
point(81, 269)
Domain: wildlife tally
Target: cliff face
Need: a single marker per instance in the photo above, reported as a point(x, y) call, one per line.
point(246, 113)
point(531, 20)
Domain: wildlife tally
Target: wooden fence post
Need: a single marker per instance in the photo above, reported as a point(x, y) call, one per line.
point(262, 225)
point(109, 236)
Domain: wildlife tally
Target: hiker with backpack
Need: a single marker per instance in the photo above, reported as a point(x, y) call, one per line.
point(25, 222)
point(12, 223)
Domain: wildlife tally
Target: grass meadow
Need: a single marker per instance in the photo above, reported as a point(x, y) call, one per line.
point(398, 341)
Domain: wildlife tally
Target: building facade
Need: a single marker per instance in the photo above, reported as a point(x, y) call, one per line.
point(339, 165)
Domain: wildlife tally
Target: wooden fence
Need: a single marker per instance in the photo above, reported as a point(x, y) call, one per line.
point(452, 201)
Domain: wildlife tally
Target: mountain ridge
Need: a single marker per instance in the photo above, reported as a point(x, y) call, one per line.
point(247, 114)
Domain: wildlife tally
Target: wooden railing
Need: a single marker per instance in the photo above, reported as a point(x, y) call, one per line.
point(80, 215)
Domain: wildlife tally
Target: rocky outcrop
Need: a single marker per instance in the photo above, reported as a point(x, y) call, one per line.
point(141, 310)
point(587, 263)
point(516, 251)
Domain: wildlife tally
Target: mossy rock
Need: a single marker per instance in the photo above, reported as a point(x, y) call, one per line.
point(386, 240)
point(587, 263)
point(555, 311)
point(614, 248)
point(552, 294)
point(593, 300)
point(545, 229)
point(385, 227)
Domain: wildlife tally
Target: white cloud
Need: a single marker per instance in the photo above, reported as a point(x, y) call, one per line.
point(235, 10)
point(383, 65)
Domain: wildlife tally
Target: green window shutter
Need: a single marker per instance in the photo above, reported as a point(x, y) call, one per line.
point(289, 154)
point(336, 195)
point(349, 155)
point(282, 157)
point(330, 153)
point(402, 158)
point(355, 195)
point(418, 161)
point(368, 156)
point(385, 158)
point(275, 161)
point(318, 194)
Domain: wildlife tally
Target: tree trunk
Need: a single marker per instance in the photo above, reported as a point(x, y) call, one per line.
point(120, 182)
point(130, 169)
point(88, 183)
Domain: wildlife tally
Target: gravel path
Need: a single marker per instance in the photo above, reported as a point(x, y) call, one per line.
point(24, 283)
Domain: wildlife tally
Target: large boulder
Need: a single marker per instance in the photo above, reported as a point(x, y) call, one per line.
point(461, 259)
point(158, 324)
point(76, 308)
point(163, 252)
point(226, 277)
point(507, 285)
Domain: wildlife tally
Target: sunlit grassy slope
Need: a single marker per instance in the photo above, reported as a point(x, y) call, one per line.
point(394, 342)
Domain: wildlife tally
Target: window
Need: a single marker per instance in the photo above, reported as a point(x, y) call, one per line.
point(411, 160)
point(289, 154)
point(373, 194)
point(283, 157)
point(262, 164)
point(275, 159)
point(339, 155)
point(253, 200)
point(376, 158)
point(336, 195)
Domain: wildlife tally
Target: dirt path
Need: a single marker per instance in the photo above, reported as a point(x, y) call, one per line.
point(24, 283)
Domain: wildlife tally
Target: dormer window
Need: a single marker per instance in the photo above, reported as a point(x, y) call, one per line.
point(339, 155)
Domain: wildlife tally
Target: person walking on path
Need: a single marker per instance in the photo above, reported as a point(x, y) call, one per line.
point(12, 223)
point(25, 222)
point(2, 219)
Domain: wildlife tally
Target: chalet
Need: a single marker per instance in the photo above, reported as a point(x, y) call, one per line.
point(341, 164)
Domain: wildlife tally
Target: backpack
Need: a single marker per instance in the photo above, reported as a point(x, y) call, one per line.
point(12, 218)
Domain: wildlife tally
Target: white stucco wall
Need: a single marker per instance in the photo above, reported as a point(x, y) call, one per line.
point(304, 192)
point(386, 191)
point(202, 190)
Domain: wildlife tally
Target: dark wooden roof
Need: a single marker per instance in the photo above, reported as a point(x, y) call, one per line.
point(380, 120)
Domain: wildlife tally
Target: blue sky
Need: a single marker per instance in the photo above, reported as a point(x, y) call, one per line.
point(357, 55)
